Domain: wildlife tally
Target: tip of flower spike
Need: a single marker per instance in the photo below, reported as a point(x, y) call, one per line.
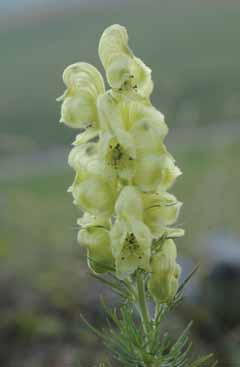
point(115, 30)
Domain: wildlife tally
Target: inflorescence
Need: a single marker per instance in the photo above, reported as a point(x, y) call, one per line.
point(123, 169)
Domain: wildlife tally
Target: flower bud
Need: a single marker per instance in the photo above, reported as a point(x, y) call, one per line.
point(97, 242)
point(165, 273)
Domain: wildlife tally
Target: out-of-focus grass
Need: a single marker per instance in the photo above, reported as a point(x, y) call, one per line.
point(44, 282)
point(209, 189)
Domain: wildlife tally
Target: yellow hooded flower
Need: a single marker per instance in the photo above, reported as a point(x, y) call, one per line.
point(131, 246)
point(129, 204)
point(93, 189)
point(161, 209)
point(144, 124)
point(85, 158)
point(117, 147)
point(165, 273)
point(133, 131)
point(84, 84)
point(155, 170)
point(148, 129)
point(93, 193)
point(124, 71)
point(97, 241)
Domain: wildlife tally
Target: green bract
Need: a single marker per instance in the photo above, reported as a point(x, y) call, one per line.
point(122, 167)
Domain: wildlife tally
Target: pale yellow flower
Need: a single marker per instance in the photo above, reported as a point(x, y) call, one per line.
point(133, 141)
point(93, 193)
point(93, 190)
point(129, 204)
point(136, 124)
point(153, 171)
point(85, 158)
point(116, 157)
point(124, 71)
point(84, 84)
point(161, 210)
point(165, 273)
point(131, 246)
point(148, 130)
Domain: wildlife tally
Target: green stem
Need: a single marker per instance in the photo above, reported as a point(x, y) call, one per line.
point(157, 310)
point(142, 302)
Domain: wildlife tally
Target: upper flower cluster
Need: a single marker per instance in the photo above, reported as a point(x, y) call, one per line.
point(123, 169)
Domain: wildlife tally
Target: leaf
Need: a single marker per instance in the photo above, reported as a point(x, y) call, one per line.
point(184, 283)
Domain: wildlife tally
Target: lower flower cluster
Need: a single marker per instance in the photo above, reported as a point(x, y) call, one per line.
point(123, 169)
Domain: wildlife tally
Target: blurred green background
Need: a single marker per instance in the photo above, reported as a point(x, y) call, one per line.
point(193, 50)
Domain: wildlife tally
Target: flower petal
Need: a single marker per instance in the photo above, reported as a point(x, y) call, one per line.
point(155, 170)
point(85, 136)
point(95, 195)
point(85, 157)
point(97, 241)
point(84, 84)
point(82, 75)
point(129, 203)
point(124, 71)
point(160, 210)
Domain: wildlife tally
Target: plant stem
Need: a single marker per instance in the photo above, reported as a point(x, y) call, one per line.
point(142, 303)
point(157, 310)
